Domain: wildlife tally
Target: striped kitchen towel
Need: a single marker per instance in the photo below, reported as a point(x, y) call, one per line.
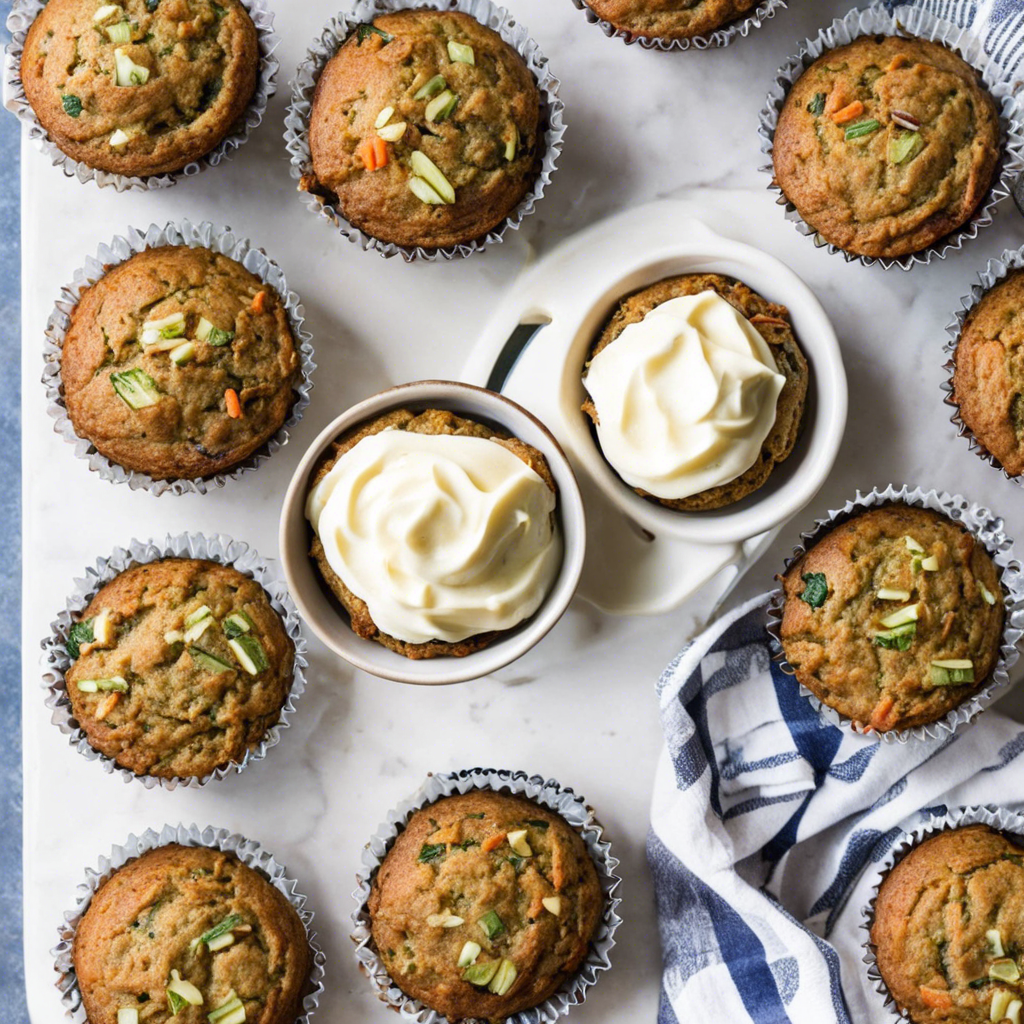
point(768, 825)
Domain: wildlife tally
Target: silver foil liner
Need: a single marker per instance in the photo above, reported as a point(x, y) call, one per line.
point(122, 248)
point(998, 818)
point(247, 851)
point(739, 27)
point(548, 793)
point(905, 20)
point(996, 271)
point(19, 20)
point(324, 47)
point(986, 528)
point(56, 661)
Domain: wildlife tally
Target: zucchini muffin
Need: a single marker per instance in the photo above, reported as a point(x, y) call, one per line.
point(893, 618)
point(669, 19)
point(949, 928)
point(886, 145)
point(484, 906)
point(988, 381)
point(191, 934)
point(180, 667)
point(179, 363)
point(453, 544)
point(771, 321)
point(424, 129)
point(140, 87)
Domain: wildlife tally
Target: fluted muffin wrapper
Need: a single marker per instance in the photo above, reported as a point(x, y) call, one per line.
point(998, 818)
point(19, 20)
point(988, 529)
point(326, 45)
point(723, 36)
point(56, 662)
point(249, 852)
point(123, 247)
point(996, 271)
point(549, 794)
point(906, 20)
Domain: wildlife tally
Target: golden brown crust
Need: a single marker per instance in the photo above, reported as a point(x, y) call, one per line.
point(851, 190)
point(773, 324)
point(669, 19)
point(141, 922)
point(453, 857)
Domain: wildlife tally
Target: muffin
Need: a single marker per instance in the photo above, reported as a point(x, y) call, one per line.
point(182, 932)
point(893, 618)
point(713, 468)
point(485, 904)
point(988, 381)
point(140, 87)
point(180, 667)
point(179, 363)
point(435, 533)
point(949, 928)
point(886, 145)
point(424, 129)
point(669, 19)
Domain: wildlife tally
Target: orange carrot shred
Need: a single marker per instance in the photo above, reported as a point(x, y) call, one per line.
point(936, 998)
point(366, 152)
point(836, 100)
point(107, 705)
point(492, 842)
point(259, 302)
point(380, 152)
point(849, 112)
point(880, 716)
point(233, 404)
point(901, 60)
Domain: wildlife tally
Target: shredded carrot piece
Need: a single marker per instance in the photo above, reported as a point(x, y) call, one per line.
point(107, 705)
point(380, 152)
point(936, 998)
point(880, 716)
point(492, 842)
point(366, 152)
point(901, 60)
point(259, 302)
point(836, 100)
point(849, 112)
point(233, 404)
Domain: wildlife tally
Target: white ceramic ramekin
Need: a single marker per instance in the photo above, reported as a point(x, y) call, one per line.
point(331, 625)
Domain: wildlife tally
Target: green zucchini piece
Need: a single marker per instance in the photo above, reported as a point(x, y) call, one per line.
point(136, 388)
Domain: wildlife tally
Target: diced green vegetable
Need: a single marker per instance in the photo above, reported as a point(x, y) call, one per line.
point(913, 546)
point(173, 636)
point(120, 33)
point(105, 12)
point(889, 594)
point(446, 919)
point(470, 951)
point(512, 145)
point(904, 147)
point(430, 852)
point(364, 31)
point(152, 5)
point(1001, 999)
point(861, 128)
point(119, 139)
point(995, 942)
point(127, 1015)
point(552, 904)
point(221, 942)
point(127, 72)
point(228, 1011)
point(115, 684)
point(186, 992)
point(184, 353)
point(103, 628)
point(504, 978)
point(426, 169)
point(79, 633)
point(955, 672)
point(898, 639)
point(491, 924)
point(817, 105)
point(517, 840)
point(236, 624)
point(393, 132)
point(175, 1003)
point(1013, 1011)
point(481, 974)
point(249, 652)
point(424, 192)
point(441, 105)
point(536, 823)
point(432, 88)
point(930, 564)
point(383, 117)
point(197, 623)
point(202, 612)
point(204, 659)
point(986, 594)
point(460, 53)
point(205, 331)
point(1004, 970)
point(221, 928)
point(172, 326)
point(816, 590)
point(136, 388)
point(72, 105)
point(908, 613)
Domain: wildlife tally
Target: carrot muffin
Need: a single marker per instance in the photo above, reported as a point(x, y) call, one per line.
point(687, 438)
point(949, 928)
point(484, 906)
point(140, 87)
point(179, 363)
point(893, 618)
point(191, 934)
point(424, 129)
point(886, 145)
point(180, 667)
point(988, 383)
point(435, 533)
point(669, 19)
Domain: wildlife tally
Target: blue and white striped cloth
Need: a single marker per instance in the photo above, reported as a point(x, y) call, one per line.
point(768, 826)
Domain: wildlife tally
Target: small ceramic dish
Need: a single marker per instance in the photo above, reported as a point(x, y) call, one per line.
point(320, 609)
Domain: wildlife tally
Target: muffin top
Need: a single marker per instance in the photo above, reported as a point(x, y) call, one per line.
point(485, 905)
point(183, 931)
point(894, 617)
point(435, 533)
point(777, 404)
point(424, 129)
point(988, 383)
point(886, 145)
point(669, 19)
point(949, 927)
point(179, 363)
point(140, 87)
point(181, 666)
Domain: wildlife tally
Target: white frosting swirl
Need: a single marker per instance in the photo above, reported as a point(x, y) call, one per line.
point(685, 398)
point(443, 536)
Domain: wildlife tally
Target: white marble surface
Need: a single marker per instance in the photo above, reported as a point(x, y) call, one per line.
point(580, 707)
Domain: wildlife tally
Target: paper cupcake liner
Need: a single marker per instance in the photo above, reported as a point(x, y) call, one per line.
point(550, 794)
point(986, 528)
point(56, 662)
point(122, 248)
point(20, 18)
point(997, 270)
point(741, 26)
point(324, 47)
point(998, 818)
point(906, 20)
point(248, 852)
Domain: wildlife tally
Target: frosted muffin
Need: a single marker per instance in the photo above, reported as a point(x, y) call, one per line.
point(140, 87)
point(192, 935)
point(485, 904)
point(669, 19)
